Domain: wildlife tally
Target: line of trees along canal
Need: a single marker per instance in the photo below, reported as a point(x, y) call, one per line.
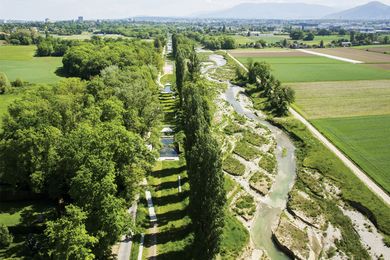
point(202, 152)
point(83, 145)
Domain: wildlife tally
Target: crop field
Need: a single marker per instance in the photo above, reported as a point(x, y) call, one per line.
point(357, 54)
point(269, 38)
point(349, 103)
point(355, 116)
point(342, 99)
point(365, 140)
point(19, 62)
point(317, 69)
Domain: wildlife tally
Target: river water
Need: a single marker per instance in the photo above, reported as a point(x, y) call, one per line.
point(269, 210)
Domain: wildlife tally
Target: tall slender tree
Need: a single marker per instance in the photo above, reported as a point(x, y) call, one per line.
point(207, 194)
point(180, 73)
point(193, 66)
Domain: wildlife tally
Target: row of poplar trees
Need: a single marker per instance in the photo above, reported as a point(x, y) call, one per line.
point(202, 152)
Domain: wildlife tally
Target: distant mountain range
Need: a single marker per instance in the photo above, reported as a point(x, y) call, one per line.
point(370, 11)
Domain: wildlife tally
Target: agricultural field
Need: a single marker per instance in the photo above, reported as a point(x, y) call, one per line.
point(358, 54)
point(342, 99)
point(269, 38)
point(385, 49)
point(365, 139)
point(355, 115)
point(291, 67)
point(349, 103)
point(19, 62)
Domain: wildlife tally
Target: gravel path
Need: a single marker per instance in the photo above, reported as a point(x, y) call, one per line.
point(356, 170)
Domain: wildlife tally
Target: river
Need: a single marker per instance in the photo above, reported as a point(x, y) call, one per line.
point(270, 208)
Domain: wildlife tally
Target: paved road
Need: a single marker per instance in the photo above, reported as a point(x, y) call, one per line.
point(126, 243)
point(356, 170)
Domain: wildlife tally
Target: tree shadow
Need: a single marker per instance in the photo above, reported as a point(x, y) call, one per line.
point(171, 199)
point(171, 184)
point(172, 235)
point(60, 72)
point(172, 215)
point(184, 253)
point(168, 172)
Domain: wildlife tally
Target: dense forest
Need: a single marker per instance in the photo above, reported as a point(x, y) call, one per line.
point(83, 144)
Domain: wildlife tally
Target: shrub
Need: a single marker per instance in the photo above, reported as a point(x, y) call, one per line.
point(3, 83)
point(233, 166)
point(17, 83)
point(246, 151)
point(268, 163)
point(5, 237)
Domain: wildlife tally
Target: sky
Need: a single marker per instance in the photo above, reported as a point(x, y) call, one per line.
point(111, 9)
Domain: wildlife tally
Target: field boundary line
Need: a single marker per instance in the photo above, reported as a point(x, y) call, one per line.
point(375, 188)
point(331, 56)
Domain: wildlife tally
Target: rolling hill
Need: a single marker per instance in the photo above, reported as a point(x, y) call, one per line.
point(370, 11)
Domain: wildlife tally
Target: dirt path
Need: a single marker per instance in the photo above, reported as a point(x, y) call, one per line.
point(126, 243)
point(356, 170)
point(331, 56)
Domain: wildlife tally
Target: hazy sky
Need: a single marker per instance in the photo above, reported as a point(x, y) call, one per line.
point(92, 9)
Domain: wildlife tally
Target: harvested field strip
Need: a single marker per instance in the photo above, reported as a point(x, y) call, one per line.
point(318, 69)
point(356, 54)
point(365, 140)
point(342, 99)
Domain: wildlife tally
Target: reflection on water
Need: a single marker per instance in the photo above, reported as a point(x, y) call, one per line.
point(168, 149)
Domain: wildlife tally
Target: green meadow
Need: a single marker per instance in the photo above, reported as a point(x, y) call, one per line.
point(19, 62)
point(240, 39)
point(314, 69)
point(365, 139)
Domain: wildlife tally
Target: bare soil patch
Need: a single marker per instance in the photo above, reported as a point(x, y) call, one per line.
point(356, 54)
point(384, 50)
point(385, 66)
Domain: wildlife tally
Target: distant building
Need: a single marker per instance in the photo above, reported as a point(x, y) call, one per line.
point(346, 44)
point(80, 19)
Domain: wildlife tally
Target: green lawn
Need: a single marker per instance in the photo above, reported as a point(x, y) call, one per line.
point(240, 39)
point(174, 233)
point(365, 140)
point(315, 69)
point(14, 213)
point(19, 62)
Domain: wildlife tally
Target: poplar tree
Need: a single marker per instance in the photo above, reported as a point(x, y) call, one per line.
point(180, 73)
point(204, 166)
